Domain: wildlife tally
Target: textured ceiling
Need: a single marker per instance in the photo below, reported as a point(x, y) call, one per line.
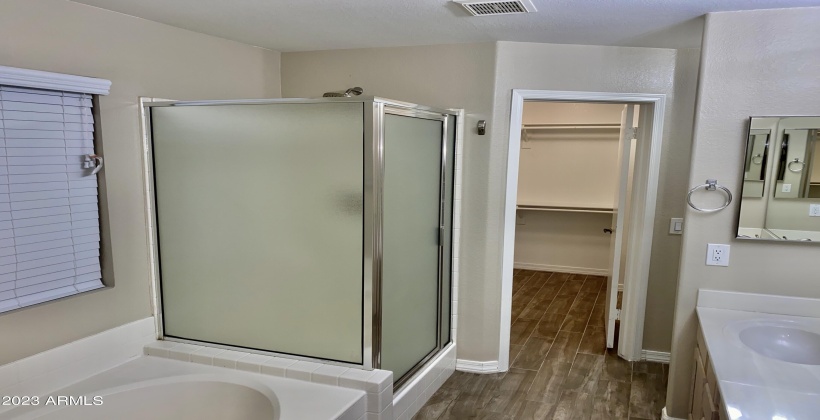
point(303, 25)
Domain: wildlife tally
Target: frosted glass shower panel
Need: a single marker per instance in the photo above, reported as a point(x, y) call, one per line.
point(259, 221)
point(411, 221)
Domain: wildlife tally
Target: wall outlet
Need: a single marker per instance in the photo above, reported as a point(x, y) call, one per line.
point(814, 210)
point(717, 254)
point(787, 188)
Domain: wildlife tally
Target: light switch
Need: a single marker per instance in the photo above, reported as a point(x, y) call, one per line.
point(676, 226)
point(787, 188)
point(814, 210)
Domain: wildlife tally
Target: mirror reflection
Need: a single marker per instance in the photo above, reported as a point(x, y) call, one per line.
point(757, 154)
point(781, 180)
point(798, 174)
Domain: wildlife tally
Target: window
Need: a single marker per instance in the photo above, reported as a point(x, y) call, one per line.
point(49, 218)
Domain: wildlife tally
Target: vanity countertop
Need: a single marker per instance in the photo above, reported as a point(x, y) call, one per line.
point(751, 385)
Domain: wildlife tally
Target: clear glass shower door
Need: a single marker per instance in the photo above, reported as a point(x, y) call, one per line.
point(411, 250)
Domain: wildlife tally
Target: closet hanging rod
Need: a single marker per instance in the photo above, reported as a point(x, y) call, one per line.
point(568, 209)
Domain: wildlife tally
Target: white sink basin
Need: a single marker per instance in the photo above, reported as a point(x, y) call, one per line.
point(788, 344)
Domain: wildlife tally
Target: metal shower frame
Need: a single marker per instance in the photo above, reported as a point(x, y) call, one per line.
point(374, 110)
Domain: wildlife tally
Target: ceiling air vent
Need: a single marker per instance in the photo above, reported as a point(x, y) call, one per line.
point(489, 8)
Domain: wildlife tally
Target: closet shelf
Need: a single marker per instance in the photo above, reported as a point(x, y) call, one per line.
point(600, 128)
point(535, 127)
point(568, 209)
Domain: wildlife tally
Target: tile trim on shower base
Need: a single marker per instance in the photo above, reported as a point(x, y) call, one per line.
point(59, 367)
point(418, 391)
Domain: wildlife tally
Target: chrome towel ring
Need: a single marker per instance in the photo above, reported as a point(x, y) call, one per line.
point(710, 185)
point(799, 162)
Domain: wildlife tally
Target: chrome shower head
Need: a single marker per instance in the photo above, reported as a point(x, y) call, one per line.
point(354, 91)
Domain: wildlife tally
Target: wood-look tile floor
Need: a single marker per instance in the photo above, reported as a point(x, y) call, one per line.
point(560, 366)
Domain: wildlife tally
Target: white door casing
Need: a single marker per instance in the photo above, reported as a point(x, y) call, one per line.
point(641, 218)
point(618, 237)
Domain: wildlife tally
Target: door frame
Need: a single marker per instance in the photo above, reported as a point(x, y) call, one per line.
point(389, 109)
point(641, 217)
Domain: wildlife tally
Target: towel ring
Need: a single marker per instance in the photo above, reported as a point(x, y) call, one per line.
point(757, 159)
point(798, 161)
point(710, 185)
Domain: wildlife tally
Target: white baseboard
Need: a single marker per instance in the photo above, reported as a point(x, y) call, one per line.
point(665, 416)
point(656, 356)
point(472, 366)
point(566, 269)
point(562, 269)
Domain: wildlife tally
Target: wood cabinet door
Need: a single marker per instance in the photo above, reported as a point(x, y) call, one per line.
point(698, 387)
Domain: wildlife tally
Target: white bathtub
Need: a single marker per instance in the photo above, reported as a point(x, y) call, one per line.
point(179, 397)
point(161, 389)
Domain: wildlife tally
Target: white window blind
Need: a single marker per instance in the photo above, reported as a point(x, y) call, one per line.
point(49, 219)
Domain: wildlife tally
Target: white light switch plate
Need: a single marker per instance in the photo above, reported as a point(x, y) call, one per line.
point(676, 226)
point(717, 254)
point(814, 210)
point(787, 188)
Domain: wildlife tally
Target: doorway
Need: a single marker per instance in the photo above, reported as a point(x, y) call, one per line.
point(581, 186)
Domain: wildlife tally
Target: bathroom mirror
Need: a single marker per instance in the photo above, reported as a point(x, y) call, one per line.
point(780, 200)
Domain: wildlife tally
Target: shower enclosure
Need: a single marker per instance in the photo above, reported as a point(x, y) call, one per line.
point(320, 228)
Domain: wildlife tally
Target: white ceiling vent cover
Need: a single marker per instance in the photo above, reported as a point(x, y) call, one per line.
point(489, 8)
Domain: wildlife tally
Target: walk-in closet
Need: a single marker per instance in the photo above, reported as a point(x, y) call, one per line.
point(568, 186)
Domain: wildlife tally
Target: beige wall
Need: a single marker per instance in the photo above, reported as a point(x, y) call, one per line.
point(571, 169)
point(479, 78)
point(141, 58)
point(750, 66)
point(576, 67)
point(445, 76)
point(449, 76)
point(148, 59)
point(571, 113)
point(672, 187)
point(562, 241)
